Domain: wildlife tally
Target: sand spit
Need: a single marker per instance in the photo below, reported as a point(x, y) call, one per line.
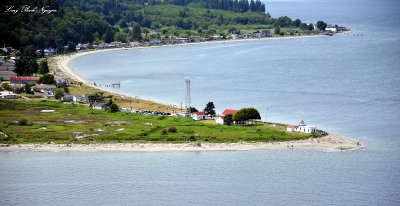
point(328, 143)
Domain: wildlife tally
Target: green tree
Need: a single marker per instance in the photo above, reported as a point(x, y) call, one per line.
point(310, 27)
point(246, 114)
point(228, 119)
point(136, 32)
point(28, 88)
point(296, 23)
point(6, 86)
point(47, 79)
point(26, 66)
point(321, 25)
point(59, 93)
point(43, 67)
point(210, 109)
point(277, 30)
point(96, 97)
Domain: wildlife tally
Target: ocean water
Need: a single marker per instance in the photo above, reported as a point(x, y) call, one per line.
point(347, 84)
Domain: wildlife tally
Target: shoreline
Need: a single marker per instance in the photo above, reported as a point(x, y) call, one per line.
point(329, 143)
point(62, 62)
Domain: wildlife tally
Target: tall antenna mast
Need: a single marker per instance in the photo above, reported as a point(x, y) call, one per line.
point(187, 98)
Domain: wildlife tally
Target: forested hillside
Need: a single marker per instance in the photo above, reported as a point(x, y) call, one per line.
point(96, 21)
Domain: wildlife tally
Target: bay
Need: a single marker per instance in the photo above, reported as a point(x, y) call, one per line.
point(346, 84)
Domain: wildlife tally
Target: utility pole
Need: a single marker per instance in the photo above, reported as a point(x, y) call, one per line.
point(266, 114)
point(187, 98)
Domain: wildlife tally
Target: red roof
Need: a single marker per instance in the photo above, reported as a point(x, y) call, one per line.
point(200, 113)
point(24, 78)
point(229, 111)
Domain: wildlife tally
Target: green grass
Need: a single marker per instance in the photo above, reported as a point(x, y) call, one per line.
point(102, 127)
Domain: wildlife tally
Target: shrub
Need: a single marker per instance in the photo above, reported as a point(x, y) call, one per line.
point(192, 138)
point(164, 131)
point(172, 130)
point(23, 122)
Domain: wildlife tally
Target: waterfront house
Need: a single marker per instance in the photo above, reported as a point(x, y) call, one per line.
point(24, 80)
point(199, 116)
point(302, 127)
point(6, 75)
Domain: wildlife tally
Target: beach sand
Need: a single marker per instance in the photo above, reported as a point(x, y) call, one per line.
point(326, 143)
point(329, 143)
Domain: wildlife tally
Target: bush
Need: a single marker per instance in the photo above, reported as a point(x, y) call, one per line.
point(23, 122)
point(164, 131)
point(172, 130)
point(59, 93)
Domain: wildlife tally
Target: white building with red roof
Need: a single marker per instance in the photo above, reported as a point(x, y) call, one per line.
point(220, 120)
point(199, 116)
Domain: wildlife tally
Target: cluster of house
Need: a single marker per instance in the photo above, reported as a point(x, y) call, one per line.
point(301, 127)
point(219, 119)
point(7, 67)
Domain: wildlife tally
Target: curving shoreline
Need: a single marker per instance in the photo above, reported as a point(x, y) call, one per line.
point(329, 143)
point(326, 143)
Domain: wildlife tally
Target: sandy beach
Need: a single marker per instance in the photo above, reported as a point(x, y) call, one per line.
point(328, 143)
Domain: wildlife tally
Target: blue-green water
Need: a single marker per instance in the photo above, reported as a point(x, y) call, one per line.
point(345, 84)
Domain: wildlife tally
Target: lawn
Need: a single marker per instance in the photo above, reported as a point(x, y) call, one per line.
point(24, 122)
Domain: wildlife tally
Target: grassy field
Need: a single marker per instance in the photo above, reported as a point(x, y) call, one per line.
point(24, 122)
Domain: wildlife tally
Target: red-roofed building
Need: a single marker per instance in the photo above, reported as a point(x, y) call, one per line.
point(229, 111)
point(24, 79)
point(220, 120)
point(199, 116)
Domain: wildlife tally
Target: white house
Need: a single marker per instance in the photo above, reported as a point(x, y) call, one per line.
point(199, 116)
point(219, 120)
point(332, 29)
point(302, 127)
point(98, 106)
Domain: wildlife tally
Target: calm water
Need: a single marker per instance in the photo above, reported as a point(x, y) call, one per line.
point(345, 84)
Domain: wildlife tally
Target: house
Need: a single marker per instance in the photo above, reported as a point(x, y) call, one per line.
point(6, 75)
point(331, 28)
point(47, 90)
point(49, 51)
point(8, 95)
point(98, 106)
point(302, 127)
point(228, 111)
point(69, 98)
point(7, 66)
point(199, 116)
point(24, 79)
point(182, 40)
point(155, 41)
point(220, 119)
point(62, 82)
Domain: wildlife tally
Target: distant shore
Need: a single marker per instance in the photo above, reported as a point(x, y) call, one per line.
point(329, 143)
